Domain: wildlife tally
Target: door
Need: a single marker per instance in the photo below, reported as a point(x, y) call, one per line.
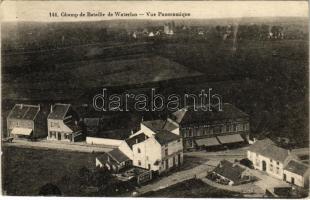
point(179, 159)
point(59, 136)
point(284, 177)
point(167, 164)
point(264, 165)
point(293, 181)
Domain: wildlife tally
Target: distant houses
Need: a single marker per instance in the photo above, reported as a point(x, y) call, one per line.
point(26, 121)
point(63, 124)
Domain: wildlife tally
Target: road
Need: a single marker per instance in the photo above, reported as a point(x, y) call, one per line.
point(67, 146)
point(251, 190)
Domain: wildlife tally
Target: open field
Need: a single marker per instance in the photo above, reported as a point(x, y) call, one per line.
point(24, 171)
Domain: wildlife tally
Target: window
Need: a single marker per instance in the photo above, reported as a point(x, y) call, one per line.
point(54, 124)
point(271, 167)
point(270, 160)
point(190, 134)
point(139, 162)
point(234, 128)
point(179, 140)
point(277, 171)
point(139, 150)
point(278, 163)
point(66, 136)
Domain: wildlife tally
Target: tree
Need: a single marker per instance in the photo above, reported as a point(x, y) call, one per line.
point(49, 190)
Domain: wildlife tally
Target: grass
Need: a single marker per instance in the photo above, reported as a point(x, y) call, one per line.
point(24, 171)
point(192, 188)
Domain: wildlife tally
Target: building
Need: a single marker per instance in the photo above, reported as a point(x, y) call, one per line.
point(203, 129)
point(230, 172)
point(296, 173)
point(114, 160)
point(62, 123)
point(157, 150)
point(268, 157)
point(26, 121)
point(150, 126)
point(169, 28)
point(111, 144)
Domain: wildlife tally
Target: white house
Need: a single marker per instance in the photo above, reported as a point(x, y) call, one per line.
point(156, 150)
point(297, 173)
point(62, 124)
point(268, 157)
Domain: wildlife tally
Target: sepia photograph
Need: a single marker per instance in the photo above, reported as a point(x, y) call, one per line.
point(169, 99)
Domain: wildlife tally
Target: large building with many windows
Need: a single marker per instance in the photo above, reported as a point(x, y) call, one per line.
point(204, 129)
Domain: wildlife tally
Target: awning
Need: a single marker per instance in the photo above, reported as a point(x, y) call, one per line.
point(207, 142)
point(21, 131)
point(226, 139)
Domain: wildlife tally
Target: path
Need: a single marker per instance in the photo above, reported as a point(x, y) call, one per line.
point(44, 144)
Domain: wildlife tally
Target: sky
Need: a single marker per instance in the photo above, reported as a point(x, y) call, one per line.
point(40, 11)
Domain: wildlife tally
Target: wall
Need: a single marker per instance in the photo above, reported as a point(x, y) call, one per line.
point(175, 148)
point(60, 127)
point(299, 180)
point(147, 131)
point(150, 152)
point(257, 163)
point(12, 123)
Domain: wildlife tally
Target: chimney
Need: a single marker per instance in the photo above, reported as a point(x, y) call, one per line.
point(108, 158)
point(21, 106)
point(39, 106)
point(51, 108)
point(131, 132)
point(136, 141)
point(75, 122)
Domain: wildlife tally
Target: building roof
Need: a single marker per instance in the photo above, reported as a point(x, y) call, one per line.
point(190, 116)
point(160, 124)
point(268, 149)
point(136, 139)
point(296, 167)
point(24, 111)
point(234, 138)
point(59, 111)
point(169, 126)
point(229, 170)
point(118, 155)
point(207, 142)
point(154, 124)
point(164, 137)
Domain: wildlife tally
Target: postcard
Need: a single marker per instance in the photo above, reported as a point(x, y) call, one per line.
point(181, 99)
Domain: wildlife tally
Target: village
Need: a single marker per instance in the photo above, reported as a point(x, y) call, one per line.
point(232, 160)
point(73, 122)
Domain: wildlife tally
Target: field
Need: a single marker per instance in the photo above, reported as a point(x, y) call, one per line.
point(24, 171)
point(192, 188)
